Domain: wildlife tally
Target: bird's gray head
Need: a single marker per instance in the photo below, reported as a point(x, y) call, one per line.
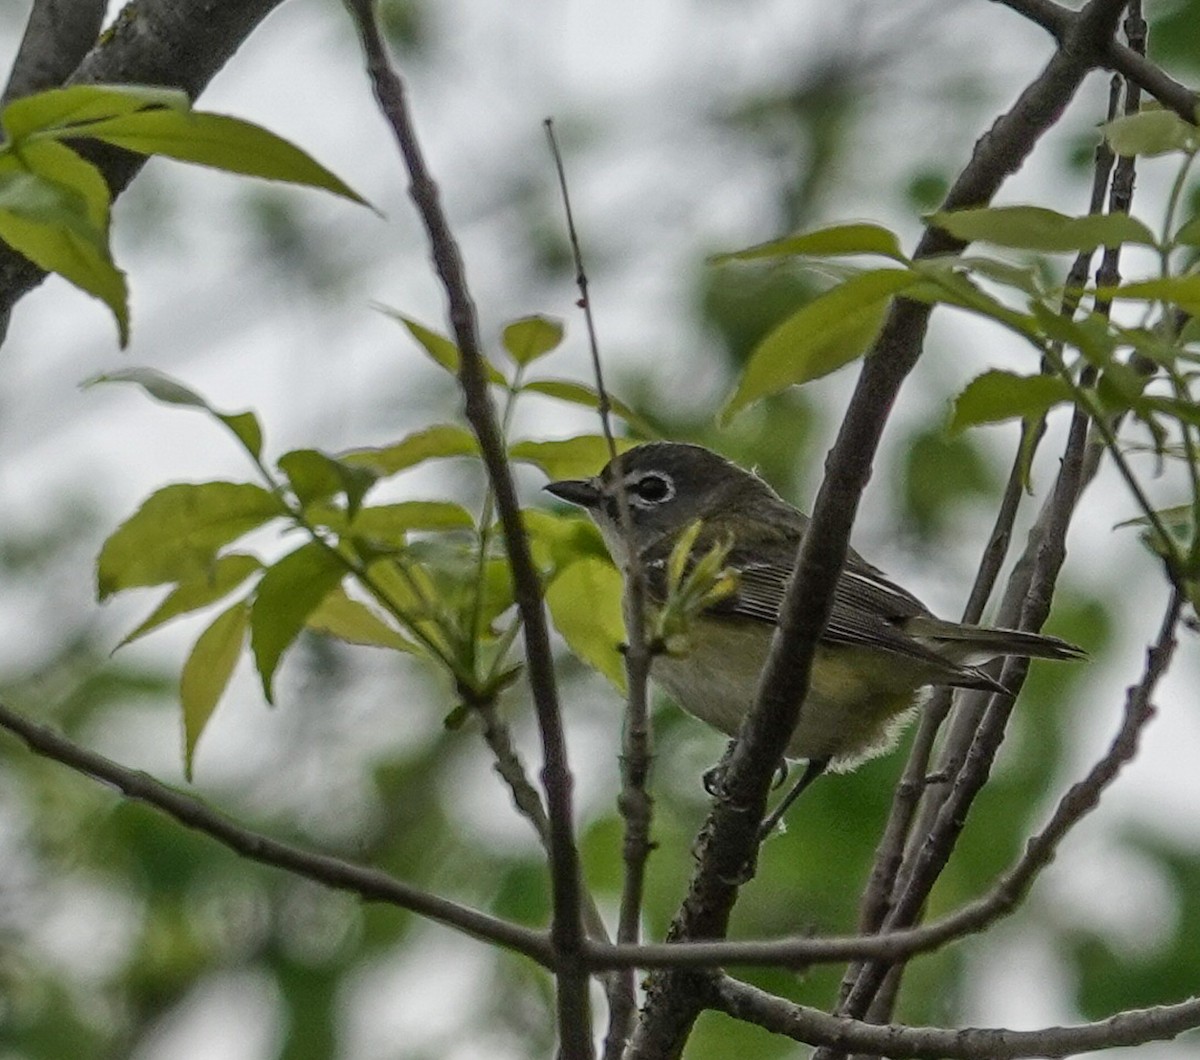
point(669, 484)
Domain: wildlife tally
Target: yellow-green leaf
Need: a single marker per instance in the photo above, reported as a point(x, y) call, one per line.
point(225, 575)
point(390, 522)
point(441, 349)
point(345, 618)
point(206, 674)
point(1037, 228)
point(58, 164)
point(441, 440)
point(63, 109)
point(576, 457)
point(532, 337)
point(1183, 291)
point(830, 331)
point(585, 606)
point(1152, 132)
point(52, 226)
point(558, 540)
point(288, 593)
point(836, 241)
point(243, 425)
point(581, 394)
point(217, 140)
point(177, 532)
point(996, 396)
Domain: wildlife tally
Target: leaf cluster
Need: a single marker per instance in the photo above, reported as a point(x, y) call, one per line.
point(424, 577)
point(1130, 378)
point(55, 205)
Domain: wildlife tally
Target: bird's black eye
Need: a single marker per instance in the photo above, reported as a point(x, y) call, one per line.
point(651, 488)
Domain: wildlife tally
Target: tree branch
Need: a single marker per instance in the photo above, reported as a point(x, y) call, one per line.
point(566, 931)
point(727, 842)
point(58, 34)
point(1119, 58)
point(839, 1033)
point(369, 884)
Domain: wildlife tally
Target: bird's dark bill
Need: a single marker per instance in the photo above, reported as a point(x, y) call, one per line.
point(581, 491)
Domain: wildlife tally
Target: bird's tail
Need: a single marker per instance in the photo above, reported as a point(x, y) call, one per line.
point(971, 645)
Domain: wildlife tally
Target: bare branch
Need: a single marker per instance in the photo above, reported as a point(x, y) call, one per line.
point(369, 884)
point(841, 1034)
point(1118, 57)
point(567, 932)
point(58, 34)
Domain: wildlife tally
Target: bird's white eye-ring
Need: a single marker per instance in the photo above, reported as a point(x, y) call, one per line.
point(649, 488)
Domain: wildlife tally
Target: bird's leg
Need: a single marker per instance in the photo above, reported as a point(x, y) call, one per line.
point(713, 777)
point(815, 767)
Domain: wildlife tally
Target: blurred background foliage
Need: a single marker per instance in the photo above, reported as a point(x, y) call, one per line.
point(121, 935)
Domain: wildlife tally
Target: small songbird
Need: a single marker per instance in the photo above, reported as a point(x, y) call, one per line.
point(882, 646)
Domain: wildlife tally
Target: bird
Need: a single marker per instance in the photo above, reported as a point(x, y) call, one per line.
point(882, 647)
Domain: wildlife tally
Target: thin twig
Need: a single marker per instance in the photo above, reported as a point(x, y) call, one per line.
point(567, 933)
point(369, 884)
point(635, 803)
point(840, 1034)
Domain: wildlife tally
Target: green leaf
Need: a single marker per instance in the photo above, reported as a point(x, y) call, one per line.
point(1023, 278)
point(225, 575)
point(532, 337)
point(1152, 132)
point(315, 476)
point(30, 196)
point(1189, 233)
point(1089, 334)
point(996, 396)
point(65, 108)
point(824, 242)
point(52, 225)
point(288, 593)
point(948, 286)
point(576, 457)
point(441, 440)
point(830, 331)
point(560, 539)
point(220, 141)
point(1036, 228)
point(206, 674)
point(1183, 291)
point(441, 349)
point(60, 165)
point(390, 522)
point(244, 425)
point(581, 394)
point(344, 618)
point(585, 606)
point(177, 532)
point(1178, 522)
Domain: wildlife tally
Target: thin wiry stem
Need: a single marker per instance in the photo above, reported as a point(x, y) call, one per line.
point(567, 933)
point(635, 802)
